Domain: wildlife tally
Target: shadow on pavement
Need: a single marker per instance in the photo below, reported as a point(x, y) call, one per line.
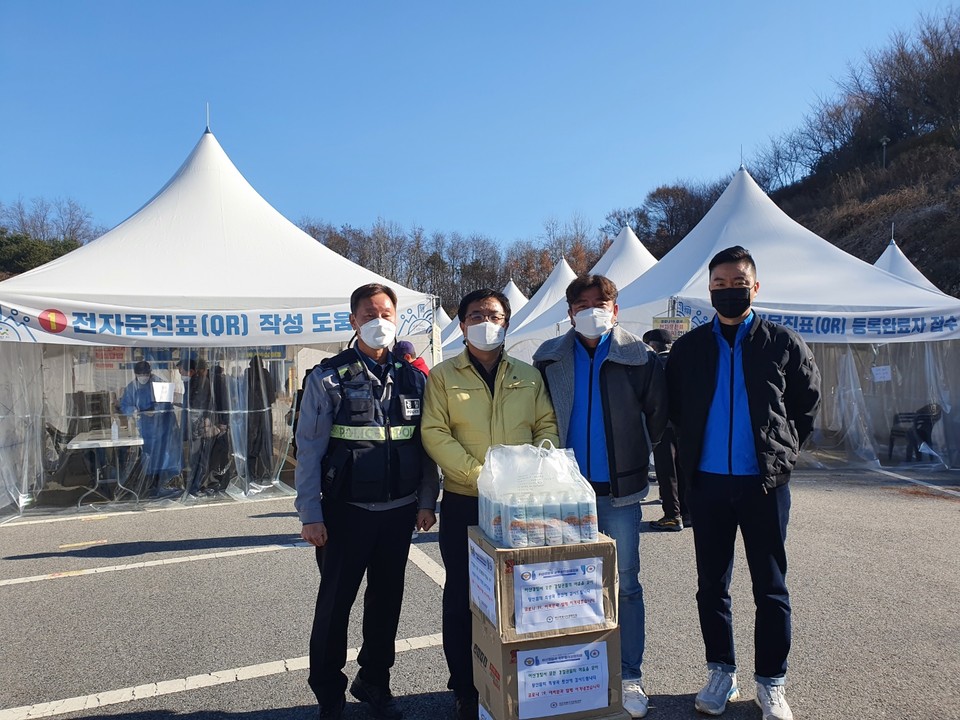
point(143, 547)
point(424, 706)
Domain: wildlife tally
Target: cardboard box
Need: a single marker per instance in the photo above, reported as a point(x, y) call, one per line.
point(557, 590)
point(575, 676)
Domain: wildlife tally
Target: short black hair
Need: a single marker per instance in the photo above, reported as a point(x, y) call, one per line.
point(606, 286)
point(141, 368)
point(483, 294)
point(735, 254)
point(369, 290)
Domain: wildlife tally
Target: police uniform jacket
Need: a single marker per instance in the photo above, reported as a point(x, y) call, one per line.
point(358, 438)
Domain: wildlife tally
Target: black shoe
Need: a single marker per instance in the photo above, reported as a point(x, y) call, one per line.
point(333, 711)
point(380, 699)
point(668, 523)
point(467, 708)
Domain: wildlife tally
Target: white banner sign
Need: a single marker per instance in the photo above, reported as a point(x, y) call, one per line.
point(895, 325)
point(68, 324)
point(558, 594)
point(556, 681)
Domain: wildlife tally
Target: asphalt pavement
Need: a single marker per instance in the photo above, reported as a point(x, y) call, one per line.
point(203, 611)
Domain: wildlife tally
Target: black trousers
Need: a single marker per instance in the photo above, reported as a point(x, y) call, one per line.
point(375, 542)
point(719, 505)
point(457, 513)
point(672, 486)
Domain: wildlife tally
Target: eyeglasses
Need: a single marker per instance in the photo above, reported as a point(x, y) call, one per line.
point(479, 317)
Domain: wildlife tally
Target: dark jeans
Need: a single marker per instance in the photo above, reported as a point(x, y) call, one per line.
point(672, 486)
point(457, 513)
point(375, 542)
point(719, 505)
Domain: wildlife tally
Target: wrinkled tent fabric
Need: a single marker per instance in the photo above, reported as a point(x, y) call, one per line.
point(208, 275)
point(884, 345)
point(624, 261)
point(896, 263)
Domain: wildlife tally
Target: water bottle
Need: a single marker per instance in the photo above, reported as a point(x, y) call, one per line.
point(495, 508)
point(534, 521)
point(570, 517)
point(114, 430)
point(587, 506)
point(515, 515)
point(552, 522)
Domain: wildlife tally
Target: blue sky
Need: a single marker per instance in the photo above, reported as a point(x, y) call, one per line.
point(485, 118)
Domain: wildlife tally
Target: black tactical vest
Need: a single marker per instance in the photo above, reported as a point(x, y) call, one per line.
point(375, 453)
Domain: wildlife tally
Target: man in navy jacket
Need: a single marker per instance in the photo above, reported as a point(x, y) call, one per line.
point(744, 393)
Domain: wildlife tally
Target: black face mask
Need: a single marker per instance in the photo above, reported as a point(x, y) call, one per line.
point(730, 302)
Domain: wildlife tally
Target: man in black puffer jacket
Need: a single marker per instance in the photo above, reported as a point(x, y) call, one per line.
point(744, 393)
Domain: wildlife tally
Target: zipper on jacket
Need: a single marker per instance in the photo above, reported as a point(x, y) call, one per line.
point(730, 429)
point(589, 413)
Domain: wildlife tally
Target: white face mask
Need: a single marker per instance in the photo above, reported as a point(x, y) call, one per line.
point(378, 333)
point(143, 379)
point(593, 322)
point(486, 335)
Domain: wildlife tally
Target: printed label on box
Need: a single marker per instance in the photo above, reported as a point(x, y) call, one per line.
point(561, 680)
point(558, 594)
point(482, 581)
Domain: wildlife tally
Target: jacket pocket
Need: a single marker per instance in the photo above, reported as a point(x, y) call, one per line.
point(368, 481)
point(335, 468)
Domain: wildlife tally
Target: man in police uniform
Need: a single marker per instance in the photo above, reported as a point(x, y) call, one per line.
point(363, 482)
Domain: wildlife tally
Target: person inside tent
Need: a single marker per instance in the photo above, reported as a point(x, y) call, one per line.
point(158, 428)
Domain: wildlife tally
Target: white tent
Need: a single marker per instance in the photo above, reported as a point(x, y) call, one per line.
point(895, 262)
point(205, 272)
point(206, 260)
point(885, 345)
point(807, 283)
point(552, 291)
point(624, 261)
point(517, 299)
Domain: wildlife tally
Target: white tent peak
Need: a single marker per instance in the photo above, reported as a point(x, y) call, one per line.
point(797, 269)
point(894, 261)
point(552, 290)
point(206, 241)
point(514, 295)
point(625, 260)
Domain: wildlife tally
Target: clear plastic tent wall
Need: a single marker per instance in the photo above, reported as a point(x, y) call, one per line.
point(865, 388)
point(94, 424)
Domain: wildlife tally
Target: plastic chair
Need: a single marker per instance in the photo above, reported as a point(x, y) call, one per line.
point(915, 428)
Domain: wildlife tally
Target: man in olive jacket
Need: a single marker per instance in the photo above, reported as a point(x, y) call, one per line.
point(610, 396)
point(481, 398)
point(744, 393)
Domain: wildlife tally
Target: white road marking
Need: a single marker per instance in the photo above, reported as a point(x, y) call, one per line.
point(431, 567)
point(152, 563)
point(948, 491)
point(194, 682)
point(16, 521)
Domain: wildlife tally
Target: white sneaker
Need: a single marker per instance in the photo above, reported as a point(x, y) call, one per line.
point(773, 702)
point(635, 700)
point(721, 687)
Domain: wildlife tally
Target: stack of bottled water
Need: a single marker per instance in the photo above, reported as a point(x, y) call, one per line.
point(533, 519)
